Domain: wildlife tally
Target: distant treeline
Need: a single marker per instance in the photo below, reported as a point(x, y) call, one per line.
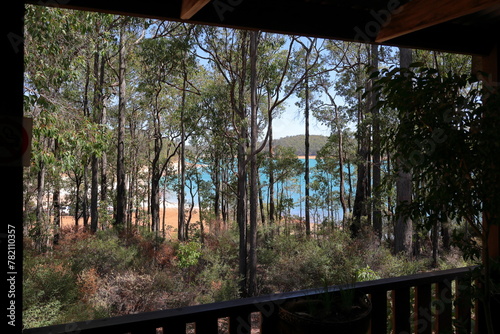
point(316, 142)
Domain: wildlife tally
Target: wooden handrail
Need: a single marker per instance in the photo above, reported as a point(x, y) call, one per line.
point(238, 311)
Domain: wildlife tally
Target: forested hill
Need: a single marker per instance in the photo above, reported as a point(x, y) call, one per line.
point(316, 142)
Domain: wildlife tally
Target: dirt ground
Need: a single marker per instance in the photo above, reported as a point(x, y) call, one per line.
point(170, 219)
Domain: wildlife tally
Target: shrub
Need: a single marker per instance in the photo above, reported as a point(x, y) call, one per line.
point(218, 280)
point(188, 254)
point(105, 252)
point(48, 288)
point(41, 314)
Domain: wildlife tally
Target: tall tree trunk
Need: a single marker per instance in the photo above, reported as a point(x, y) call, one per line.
point(306, 143)
point(182, 235)
point(156, 173)
point(104, 177)
point(39, 214)
point(376, 149)
point(241, 210)
point(252, 287)
point(340, 155)
point(121, 190)
point(98, 105)
point(78, 184)
point(404, 227)
point(201, 215)
point(272, 209)
point(218, 206)
point(155, 200)
point(56, 203)
point(85, 197)
point(360, 199)
point(94, 194)
point(343, 203)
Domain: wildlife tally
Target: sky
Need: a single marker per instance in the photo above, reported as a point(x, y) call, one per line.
point(291, 123)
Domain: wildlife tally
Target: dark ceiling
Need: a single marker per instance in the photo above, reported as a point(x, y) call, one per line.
point(353, 20)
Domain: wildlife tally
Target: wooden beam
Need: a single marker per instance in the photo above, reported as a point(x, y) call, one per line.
point(491, 66)
point(421, 14)
point(191, 7)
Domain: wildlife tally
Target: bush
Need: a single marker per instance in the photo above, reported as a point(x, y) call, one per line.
point(105, 252)
point(48, 288)
point(218, 280)
point(301, 263)
point(188, 254)
point(41, 314)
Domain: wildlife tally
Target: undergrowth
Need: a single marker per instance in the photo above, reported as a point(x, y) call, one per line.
point(89, 276)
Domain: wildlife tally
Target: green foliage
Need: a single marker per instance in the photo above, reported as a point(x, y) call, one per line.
point(106, 252)
point(441, 138)
point(48, 289)
point(39, 315)
point(188, 254)
point(366, 274)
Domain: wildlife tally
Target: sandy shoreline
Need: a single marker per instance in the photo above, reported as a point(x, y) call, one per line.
point(170, 218)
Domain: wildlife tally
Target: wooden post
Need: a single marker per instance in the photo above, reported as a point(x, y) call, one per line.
point(401, 310)
point(423, 309)
point(490, 66)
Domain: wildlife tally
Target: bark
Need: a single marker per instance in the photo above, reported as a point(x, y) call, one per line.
point(272, 209)
point(85, 198)
point(306, 174)
point(98, 105)
point(182, 228)
point(121, 191)
point(376, 149)
point(403, 232)
point(404, 227)
point(78, 185)
point(94, 194)
point(39, 215)
point(155, 173)
point(360, 199)
point(241, 207)
point(241, 210)
point(56, 204)
point(252, 287)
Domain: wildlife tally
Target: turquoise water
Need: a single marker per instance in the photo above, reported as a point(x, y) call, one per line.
point(294, 189)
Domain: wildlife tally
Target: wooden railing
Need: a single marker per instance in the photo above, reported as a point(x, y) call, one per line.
point(421, 303)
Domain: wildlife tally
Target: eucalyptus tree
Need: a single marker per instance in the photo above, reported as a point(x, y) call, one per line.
point(352, 60)
point(165, 60)
point(215, 142)
point(126, 34)
point(330, 113)
point(53, 60)
point(254, 66)
point(403, 230)
point(228, 52)
point(325, 176)
point(309, 57)
point(286, 169)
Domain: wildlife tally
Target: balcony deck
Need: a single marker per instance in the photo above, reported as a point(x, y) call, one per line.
point(421, 303)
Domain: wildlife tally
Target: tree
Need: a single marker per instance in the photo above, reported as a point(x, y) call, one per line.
point(377, 145)
point(309, 56)
point(121, 192)
point(403, 230)
point(161, 66)
point(334, 116)
point(445, 120)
